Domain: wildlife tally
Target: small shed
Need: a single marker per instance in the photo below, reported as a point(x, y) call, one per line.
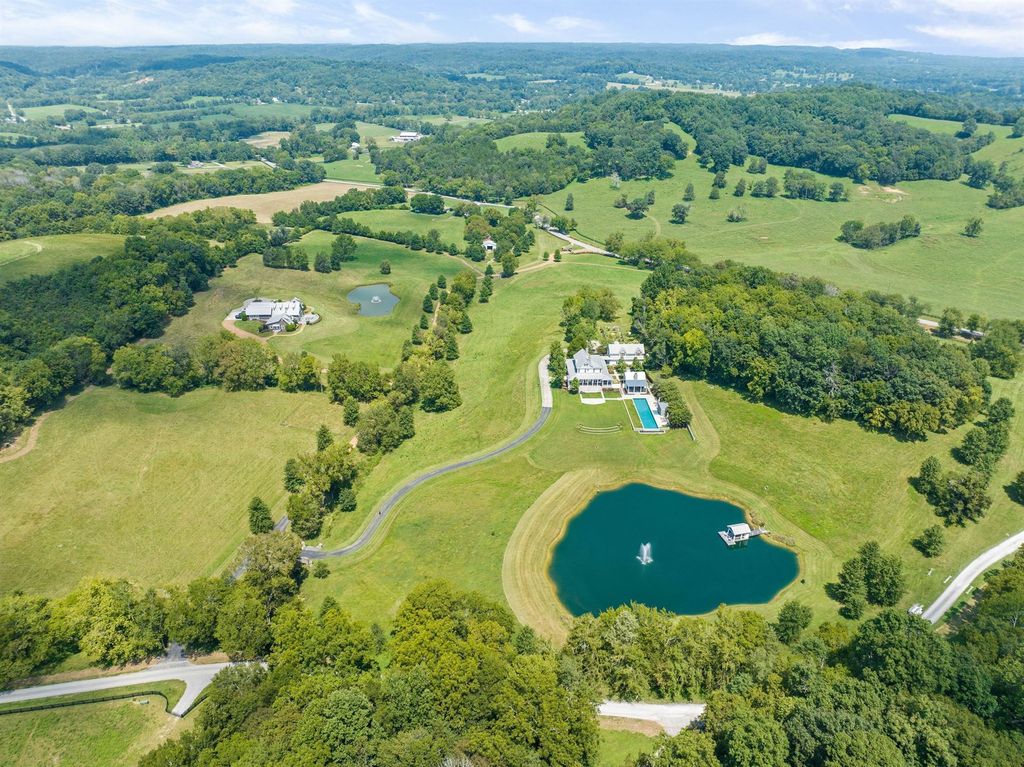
point(489, 245)
point(738, 532)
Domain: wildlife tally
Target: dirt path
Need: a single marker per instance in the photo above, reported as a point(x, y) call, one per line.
point(32, 435)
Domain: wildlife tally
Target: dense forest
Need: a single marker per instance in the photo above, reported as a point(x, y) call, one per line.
point(802, 344)
point(456, 680)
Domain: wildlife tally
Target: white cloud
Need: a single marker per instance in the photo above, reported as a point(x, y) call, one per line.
point(564, 23)
point(1008, 38)
point(775, 38)
point(518, 22)
point(386, 28)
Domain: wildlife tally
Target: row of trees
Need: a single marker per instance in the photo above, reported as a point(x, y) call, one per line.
point(961, 497)
point(831, 353)
point(236, 364)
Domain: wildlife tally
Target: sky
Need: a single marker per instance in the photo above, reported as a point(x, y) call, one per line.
point(977, 27)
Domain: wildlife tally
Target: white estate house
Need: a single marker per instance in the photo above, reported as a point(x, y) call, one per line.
point(489, 245)
point(275, 315)
point(589, 369)
point(628, 353)
point(406, 136)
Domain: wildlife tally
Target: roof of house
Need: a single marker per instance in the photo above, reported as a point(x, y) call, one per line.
point(636, 375)
point(261, 307)
point(489, 240)
point(584, 360)
point(628, 350)
point(740, 528)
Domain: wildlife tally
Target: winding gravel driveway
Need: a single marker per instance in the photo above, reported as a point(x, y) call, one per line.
point(546, 401)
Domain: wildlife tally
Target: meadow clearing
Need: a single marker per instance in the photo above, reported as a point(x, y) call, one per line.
point(40, 255)
point(941, 267)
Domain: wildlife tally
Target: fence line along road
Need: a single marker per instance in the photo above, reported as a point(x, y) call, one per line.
point(546, 402)
point(196, 676)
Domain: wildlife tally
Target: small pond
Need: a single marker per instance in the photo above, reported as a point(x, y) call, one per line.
point(373, 300)
point(596, 564)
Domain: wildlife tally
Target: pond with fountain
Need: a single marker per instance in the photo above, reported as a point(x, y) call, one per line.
point(374, 300)
point(661, 548)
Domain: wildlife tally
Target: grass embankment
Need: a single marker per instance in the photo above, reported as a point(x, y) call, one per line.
point(41, 255)
point(146, 486)
point(110, 734)
point(622, 747)
point(941, 267)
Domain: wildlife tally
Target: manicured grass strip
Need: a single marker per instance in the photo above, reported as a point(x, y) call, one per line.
point(170, 692)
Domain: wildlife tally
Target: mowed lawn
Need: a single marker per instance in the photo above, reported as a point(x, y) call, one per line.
point(941, 267)
point(41, 255)
point(146, 486)
point(341, 330)
point(828, 487)
point(113, 734)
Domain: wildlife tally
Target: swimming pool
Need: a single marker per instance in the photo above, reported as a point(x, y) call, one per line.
point(643, 410)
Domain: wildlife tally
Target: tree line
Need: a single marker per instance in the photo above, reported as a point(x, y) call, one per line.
point(802, 344)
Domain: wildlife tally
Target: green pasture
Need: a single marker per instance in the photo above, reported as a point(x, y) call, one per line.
point(341, 330)
point(536, 140)
point(146, 486)
point(827, 486)
point(111, 734)
point(51, 110)
point(40, 255)
point(450, 227)
point(271, 110)
point(360, 171)
point(941, 267)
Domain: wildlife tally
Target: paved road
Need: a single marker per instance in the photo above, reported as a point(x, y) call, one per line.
point(969, 574)
point(579, 243)
point(392, 500)
point(195, 676)
point(672, 717)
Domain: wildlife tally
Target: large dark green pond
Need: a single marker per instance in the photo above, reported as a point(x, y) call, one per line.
point(595, 566)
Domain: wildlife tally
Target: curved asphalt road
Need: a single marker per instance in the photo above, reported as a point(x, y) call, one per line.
point(392, 500)
point(969, 574)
